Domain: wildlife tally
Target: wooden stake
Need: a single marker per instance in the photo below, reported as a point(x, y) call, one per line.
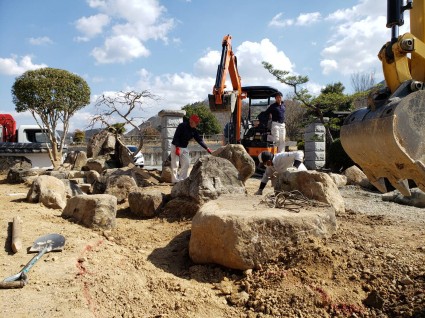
point(16, 234)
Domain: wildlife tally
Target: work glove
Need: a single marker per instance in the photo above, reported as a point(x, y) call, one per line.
point(259, 192)
point(177, 151)
point(209, 150)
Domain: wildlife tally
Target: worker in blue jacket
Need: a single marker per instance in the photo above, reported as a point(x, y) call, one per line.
point(179, 150)
point(277, 113)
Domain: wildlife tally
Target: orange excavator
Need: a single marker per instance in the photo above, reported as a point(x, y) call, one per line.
point(387, 138)
point(248, 129)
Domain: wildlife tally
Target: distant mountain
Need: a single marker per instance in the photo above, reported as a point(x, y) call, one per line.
point(154, 122)
point(88, 133)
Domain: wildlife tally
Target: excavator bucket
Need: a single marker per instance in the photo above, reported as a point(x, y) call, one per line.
point(389, 142)
point(228, 102)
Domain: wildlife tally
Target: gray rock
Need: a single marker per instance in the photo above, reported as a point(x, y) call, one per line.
point(49, 191)
point(145, 203)
point(210, 177)
point(15, 176)
point(355, 176)
point(313, 185)
point(416, 199)
point(93, 211)
point(249, 234)
point(120, 186)
point(238, 156)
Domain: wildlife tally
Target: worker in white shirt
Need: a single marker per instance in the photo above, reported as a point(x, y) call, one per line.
point(278, 163)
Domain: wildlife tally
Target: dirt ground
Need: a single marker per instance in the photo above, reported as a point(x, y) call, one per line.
point(374, 266)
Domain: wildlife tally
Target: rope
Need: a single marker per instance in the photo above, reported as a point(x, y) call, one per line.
point(292, 201)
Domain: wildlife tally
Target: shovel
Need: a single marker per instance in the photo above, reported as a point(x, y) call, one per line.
point(42, 245)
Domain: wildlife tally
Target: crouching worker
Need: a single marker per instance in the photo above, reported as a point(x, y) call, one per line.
point(277, 163)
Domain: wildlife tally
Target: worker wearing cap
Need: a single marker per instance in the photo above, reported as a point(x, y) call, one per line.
point(278, 163)
point(179, 151)
point(277, 113)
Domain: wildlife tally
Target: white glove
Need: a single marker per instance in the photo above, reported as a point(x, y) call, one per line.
point(259, 192)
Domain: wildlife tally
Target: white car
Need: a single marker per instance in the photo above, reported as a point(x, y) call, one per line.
point(139, 159)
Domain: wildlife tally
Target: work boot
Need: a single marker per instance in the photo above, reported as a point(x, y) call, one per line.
point(259, 192)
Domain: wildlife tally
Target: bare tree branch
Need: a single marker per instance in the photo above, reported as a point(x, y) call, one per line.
point(122, 106)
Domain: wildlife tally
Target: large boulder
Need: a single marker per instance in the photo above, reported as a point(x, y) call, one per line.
point(97, 165)
point(339, 179)
point(312, 184)
point(93, 211)
point(49, 191)
point(144, 202)
point(210, 177)
point(77, 159)
point(180, 208)
point(124, 156)
point(14, 162)
point(416, 199)
point(355, 176)
point(100, 144)
point(249, 234)
point(22, 175)
point(120, 186)
point(237, 155)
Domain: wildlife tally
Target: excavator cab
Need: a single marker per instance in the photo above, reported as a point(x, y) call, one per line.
point(257, 134)
point(387, 138)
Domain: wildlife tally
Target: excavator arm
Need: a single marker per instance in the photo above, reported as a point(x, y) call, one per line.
point(387, 138)
point(228, 101)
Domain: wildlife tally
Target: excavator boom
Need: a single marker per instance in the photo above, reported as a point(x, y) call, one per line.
point(228, 101)
point(387, 139)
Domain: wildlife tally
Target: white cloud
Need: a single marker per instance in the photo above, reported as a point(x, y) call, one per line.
point(92, 26)
point(328, 66)
point(40, 40)
point(137, 20)
point(308, 18)
point(207, 64)
point(359, 33)
point(302, 20)
point(14, 67)
point(252, 54)
point(278, 21)
point(120, 49)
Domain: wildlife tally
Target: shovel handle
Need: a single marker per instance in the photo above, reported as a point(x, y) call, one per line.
point(15, 284)
point(34, 260)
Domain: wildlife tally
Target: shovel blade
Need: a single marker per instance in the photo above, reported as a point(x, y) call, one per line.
point(54, 242)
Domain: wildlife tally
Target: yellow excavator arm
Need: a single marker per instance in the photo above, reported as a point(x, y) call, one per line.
point(387, 139)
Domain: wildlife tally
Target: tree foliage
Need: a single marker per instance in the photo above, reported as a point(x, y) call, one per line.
point(79, 136)
point(117, 128)
point(209, 124)
point(52, 96)
point(123, 105)
point(294, 114)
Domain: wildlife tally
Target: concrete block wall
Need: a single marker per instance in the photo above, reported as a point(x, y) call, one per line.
point(170, 119)
point(315, 146)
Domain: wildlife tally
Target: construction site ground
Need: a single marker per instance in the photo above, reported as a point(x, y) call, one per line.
point(374, 266)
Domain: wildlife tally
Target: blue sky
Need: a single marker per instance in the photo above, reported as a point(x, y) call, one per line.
point(172, 48)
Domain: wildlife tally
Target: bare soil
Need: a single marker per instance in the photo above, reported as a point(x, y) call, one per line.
point(374, 266)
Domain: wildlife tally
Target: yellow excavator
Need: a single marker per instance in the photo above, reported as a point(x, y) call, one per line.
point(387, 138)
